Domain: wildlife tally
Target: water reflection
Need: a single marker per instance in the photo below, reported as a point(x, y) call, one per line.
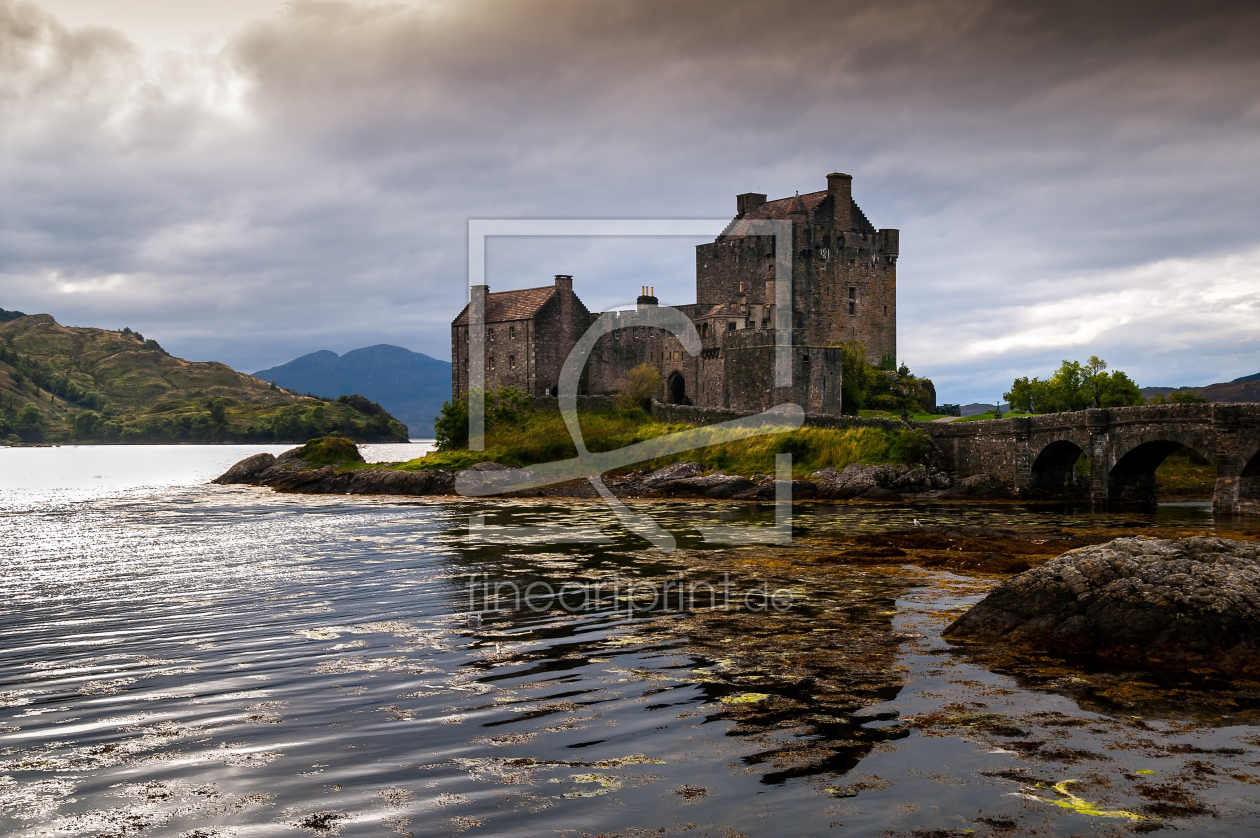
point(203, 661)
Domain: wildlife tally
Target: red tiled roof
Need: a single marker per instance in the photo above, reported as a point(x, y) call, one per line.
point(781, 208)
point(511, 305)
point(723, 310)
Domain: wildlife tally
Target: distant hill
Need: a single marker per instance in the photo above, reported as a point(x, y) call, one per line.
point(61, 384)
point(1243, 390)
point(1240, 390)
point(408, 384)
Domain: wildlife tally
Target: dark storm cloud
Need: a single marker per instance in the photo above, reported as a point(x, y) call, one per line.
point(1069, 178)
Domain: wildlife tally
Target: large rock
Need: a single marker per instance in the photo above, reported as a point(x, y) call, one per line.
point(1134, 602)
point(716, 485)
point(290, 473)
point(246, 470)
point(980, 487)
point(877, 481)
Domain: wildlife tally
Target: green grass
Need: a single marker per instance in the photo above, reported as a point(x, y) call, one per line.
point(1184, 475)
point(916, 416)
point(542, 437)
point(988, 414)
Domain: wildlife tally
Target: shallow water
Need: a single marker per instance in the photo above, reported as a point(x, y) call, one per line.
point(183, 659)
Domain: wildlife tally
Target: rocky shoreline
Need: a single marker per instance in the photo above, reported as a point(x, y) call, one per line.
point(290, 472)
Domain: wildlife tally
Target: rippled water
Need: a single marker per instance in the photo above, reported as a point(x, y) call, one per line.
point(183, 659)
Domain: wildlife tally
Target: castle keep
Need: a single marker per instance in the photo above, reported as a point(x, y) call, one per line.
point(844, 287)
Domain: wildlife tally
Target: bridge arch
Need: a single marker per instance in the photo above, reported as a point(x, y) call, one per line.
point(1249, 487)
point(1131, 480)
point(1054, 469)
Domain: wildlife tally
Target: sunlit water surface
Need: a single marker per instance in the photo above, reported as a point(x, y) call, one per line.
point(184, 659)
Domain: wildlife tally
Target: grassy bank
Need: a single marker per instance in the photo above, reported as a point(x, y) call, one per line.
point(1185, 476)
point(540, 437)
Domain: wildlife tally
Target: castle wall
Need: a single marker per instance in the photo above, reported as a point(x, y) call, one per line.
point(845, 288)
point(724, 265)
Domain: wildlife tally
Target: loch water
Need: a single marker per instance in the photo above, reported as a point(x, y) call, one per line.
point(178, 658)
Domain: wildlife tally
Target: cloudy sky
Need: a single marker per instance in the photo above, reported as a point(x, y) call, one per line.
point(248, 182)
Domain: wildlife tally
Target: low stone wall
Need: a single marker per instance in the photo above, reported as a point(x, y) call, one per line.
point(690, 415)
point(583, 403)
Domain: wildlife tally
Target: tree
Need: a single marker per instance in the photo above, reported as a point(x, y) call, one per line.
point(450, 426)
point(857, 377)
point(30, 423)
point(1074, 386)
point(85, 425)
point(889, 386)
point(636, 389)
point(1177, 397)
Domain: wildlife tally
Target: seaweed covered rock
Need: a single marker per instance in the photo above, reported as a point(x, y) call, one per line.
point(715, 485)
point(980, 486)
point(1134, 602)
point(878, 481)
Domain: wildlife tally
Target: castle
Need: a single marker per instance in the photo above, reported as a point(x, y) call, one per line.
point(844, 287)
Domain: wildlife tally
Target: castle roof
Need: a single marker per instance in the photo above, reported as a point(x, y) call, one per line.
point(511, 305)
point(783, 208)
point(723, 310)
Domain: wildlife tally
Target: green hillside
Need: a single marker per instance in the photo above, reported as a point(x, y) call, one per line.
point(65, 384)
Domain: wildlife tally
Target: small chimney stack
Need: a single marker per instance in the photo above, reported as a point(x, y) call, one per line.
point(748, 202)
point(647, 299)
point(477, 303)
point(840, 188)
point(564, 283)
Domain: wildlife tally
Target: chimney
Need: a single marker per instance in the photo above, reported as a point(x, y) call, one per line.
point(647, 299)
point(748, 202)
point(477, 303)
point(564, 283)
point(840, 188)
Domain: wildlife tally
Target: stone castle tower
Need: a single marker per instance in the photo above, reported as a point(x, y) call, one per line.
point(844, 271)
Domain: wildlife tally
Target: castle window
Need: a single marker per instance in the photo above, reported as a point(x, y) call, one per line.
point(491, 362)
point(852, 293)
point(490, 334)
point(885, 311)
point(730, 325)
point(511, 362)
point(852, 308)
point(512, 332)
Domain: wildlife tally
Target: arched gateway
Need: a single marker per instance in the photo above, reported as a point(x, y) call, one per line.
point(676, 389)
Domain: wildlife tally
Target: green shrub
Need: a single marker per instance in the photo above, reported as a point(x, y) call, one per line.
point(330, 449)
point(450, 426)
point(636, 389)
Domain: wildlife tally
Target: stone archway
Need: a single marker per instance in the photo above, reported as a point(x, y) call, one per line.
point(1249, 487)
point(676, 389)
point(1131, 481)
point(1054, 470)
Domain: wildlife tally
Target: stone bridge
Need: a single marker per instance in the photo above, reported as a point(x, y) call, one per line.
point(1037, 455)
